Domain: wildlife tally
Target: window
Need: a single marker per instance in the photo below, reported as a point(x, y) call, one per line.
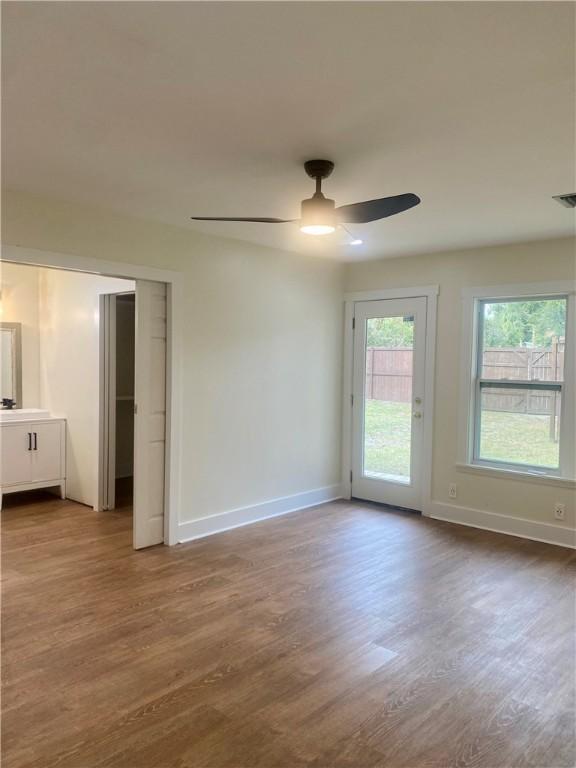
point(521, 417)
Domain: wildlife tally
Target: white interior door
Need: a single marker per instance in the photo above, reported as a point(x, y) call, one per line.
point(388, 401)
point(150, 413)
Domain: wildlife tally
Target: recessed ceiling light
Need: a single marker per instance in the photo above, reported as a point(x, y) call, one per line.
point(356, 241)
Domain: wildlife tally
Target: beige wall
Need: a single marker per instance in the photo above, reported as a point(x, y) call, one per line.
point(69, 367)
point(20, 305)
point(262, 349)
point(520, 263)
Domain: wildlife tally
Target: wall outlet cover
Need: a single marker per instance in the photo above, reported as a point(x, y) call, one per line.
point(560, 511)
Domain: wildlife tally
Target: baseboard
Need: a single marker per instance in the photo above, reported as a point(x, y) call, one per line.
point(513, 526)
point(235, 518)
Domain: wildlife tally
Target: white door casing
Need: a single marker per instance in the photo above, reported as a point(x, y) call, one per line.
point(150, 413)
point(107, 447)
point(385, 487)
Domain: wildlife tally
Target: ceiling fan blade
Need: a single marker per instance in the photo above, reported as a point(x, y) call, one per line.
point(223, 218)
point(372, 210)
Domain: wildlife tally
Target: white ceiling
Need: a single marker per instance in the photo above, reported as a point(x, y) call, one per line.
point(164, 110)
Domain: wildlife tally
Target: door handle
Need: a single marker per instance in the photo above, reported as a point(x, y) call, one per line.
point(29, 441)
point(35, 441)
point(417, 415)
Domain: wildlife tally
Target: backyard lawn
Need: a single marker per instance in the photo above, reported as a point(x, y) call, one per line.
point(516, 437)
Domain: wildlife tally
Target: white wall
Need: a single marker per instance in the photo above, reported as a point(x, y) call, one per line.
point(69, 367)
point(20, 285)
point(261, 355)
point(547, 260)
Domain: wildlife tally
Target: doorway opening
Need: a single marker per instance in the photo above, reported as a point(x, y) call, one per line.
point(52, 438)
point(117, 400)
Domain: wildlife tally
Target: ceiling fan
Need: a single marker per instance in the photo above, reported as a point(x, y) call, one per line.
point(319, 214)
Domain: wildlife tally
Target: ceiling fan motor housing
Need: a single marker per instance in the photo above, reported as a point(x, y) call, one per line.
point(318, 212)
point(318, 169)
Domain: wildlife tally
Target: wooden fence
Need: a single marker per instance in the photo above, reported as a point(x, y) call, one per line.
point(539, 363)
point(389, 376)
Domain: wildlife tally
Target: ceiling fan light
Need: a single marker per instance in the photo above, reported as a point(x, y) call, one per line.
point(317, 229)
point(318, 216)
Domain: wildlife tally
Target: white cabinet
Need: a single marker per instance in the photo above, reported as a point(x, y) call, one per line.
point(33, 455)
point(16, 454)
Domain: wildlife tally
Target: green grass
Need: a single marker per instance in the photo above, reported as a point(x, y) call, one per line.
point(513, 437)
point(519, 438)
point(387, 438)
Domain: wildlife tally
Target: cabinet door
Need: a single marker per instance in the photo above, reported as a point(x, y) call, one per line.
point(16, 464)
point(47, 456)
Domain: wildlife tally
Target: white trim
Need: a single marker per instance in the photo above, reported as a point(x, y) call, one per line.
point(469, 357)
point(174, 409)
point(174, 420)
point(514, 474)
point(121, 269)
point(393, 293)
point(107, 404)
point(348, 373)
point(235, 518)
point(513, 526)
point(431, 293)
point(513, 290)
point(429, 380)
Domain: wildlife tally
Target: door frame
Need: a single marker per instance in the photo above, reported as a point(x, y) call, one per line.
point(174, 303)
point(106, 495)
point(430, 293)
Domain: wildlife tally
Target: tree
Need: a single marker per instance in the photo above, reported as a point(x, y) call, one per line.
point(390, 332)
point(524, 323)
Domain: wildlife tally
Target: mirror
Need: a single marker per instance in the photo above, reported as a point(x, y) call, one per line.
point(11, 362)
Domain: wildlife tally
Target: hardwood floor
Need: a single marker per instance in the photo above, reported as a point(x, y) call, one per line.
point(345, 636)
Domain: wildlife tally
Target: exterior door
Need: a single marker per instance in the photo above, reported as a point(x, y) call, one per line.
point(150, 413)
point(388, 401)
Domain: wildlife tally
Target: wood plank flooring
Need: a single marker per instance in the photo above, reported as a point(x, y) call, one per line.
point(342, 636)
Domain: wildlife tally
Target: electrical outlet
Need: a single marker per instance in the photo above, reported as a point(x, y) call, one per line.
point(559, 511)
point(452, 490)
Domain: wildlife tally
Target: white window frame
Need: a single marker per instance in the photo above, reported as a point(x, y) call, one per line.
point(469, 459)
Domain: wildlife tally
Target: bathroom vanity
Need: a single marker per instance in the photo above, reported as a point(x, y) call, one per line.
point(33, 451)
point(32, 442)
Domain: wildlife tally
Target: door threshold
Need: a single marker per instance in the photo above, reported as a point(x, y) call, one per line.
point(387, 507)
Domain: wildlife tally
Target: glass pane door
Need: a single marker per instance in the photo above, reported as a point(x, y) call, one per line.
point(388, 388)
point(389, 354)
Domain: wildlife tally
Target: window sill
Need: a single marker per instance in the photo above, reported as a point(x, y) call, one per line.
point(511, 474)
